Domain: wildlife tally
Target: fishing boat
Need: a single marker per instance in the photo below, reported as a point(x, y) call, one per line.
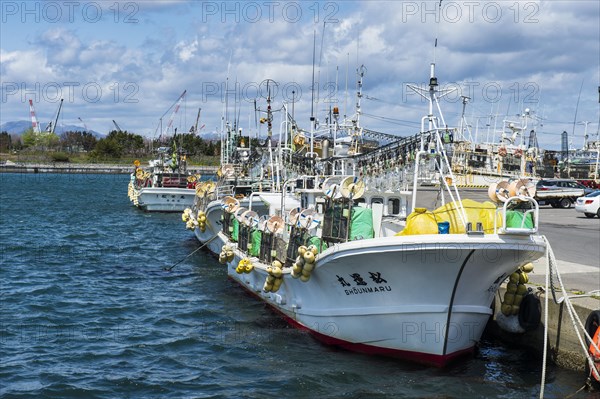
point(244, 169)
point(357, 264)
point(165, 186)
point(583, 163)
point(248, 173)
point(513, 153)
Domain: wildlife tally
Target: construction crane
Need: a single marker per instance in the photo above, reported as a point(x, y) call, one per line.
point(175, 110)
point(52, 126)
point(117, 126)
point(195, 128)
point(35, 125)
point(84, 125)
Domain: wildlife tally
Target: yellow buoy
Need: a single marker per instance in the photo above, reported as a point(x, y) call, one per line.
point(527, 268)
point(509, 298)
point(301, 250)
point(309, 257)
point(523, 278)
point(297, 269)
point(518, 300)
point(521, 289)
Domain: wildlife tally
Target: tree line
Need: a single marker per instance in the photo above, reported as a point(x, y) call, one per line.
point(115, 145)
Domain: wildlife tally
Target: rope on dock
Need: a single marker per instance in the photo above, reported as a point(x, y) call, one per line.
point(551, 262)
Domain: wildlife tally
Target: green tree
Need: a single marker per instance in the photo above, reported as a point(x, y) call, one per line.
point(77, 141)
point(88, 141)
point(5, 142)
point(29, 138)
point(106, 148)
point(49, 141)
point(119, 143)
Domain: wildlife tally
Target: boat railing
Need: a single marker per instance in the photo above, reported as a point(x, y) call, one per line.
point(224, 191)
point(519, 215)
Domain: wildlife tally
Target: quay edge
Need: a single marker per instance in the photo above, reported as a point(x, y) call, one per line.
point(564, 348)
point(86, 168)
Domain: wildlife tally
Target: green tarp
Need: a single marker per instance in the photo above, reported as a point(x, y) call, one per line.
point(236, 230)
point(514, 219)
point(316, 241)
point(361, 226)
point(255, 238)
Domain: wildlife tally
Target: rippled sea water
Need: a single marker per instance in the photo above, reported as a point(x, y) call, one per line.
point(88, 311)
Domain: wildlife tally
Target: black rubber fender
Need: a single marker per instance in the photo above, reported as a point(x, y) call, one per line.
point(530, 312)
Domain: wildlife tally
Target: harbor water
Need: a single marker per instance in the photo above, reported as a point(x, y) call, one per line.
point(87, 310)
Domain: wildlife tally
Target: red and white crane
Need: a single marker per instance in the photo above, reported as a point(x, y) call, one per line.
point(34, 122)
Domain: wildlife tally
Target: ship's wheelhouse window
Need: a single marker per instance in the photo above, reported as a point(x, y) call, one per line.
point(376, 200)
point(394, 206)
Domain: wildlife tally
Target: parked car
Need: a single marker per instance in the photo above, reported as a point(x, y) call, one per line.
point(589, 205)
point(560, 193)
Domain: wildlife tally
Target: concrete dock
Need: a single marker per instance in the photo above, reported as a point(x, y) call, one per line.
point(86, 168)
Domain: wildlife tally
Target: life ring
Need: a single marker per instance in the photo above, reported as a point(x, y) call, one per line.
point(502, 151)
point(592, 327)
point(518, 153)
point(530, 312)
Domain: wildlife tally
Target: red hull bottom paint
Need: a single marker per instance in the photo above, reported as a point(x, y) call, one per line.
point(428, 359)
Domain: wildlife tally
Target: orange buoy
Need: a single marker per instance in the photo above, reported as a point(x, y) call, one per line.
point(592, 326)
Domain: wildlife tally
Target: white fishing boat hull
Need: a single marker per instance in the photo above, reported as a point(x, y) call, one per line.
point(165, 199)
point(214, 212)
point(425, 298)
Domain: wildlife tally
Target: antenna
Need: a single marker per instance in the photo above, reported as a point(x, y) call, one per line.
point(437, 30)
point(346, 95)
point(577, 109)
point(320, 63)
point(312, 102)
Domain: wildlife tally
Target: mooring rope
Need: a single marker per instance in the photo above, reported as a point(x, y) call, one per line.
point(551, 260)
point(193, 252)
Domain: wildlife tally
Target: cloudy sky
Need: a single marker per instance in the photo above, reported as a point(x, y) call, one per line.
point(130, 61)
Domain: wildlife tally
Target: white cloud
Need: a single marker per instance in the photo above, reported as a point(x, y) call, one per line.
point(551, 44)
point(187, 50)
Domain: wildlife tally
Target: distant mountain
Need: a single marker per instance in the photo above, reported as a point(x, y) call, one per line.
point(209, 136)
point(19, 127)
